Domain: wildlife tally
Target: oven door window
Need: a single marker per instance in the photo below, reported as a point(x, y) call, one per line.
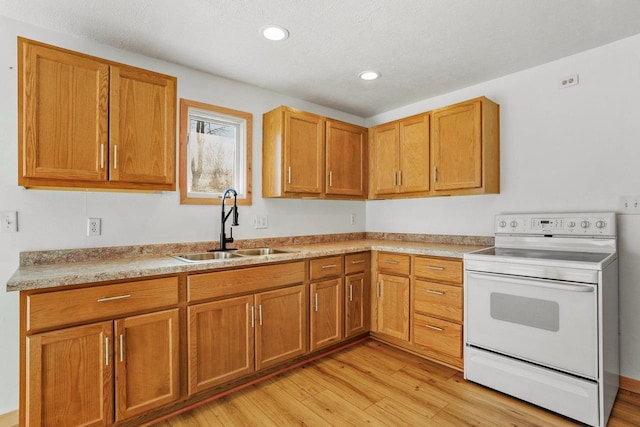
point(548, 322)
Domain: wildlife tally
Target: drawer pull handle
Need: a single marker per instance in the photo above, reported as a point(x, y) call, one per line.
point(429, 291)
point(358, 261)
point(101, 156)
point(431, 267)
point(316, 303)
point(329, 266)
point(253, 317)
point(260, 314)
point(106, 351)
point(350, 292)
point(435, 328)
point(114, 298)
point(115, 157)
point(390, 261)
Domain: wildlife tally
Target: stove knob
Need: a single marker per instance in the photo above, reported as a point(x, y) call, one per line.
point(502, 224)
point(571, 224)
point(601, 224)
point(585, 224)
point(514, 224)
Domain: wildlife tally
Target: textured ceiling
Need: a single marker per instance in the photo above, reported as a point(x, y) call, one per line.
point(422, 48)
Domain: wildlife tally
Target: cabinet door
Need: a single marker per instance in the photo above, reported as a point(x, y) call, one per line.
point(147, 362)
point(281, 326)
point(70, 377)
point(356, 314)
point(346, 159)
point(303, 152)
point(63, 126)
point(393, 306)
point(385, 158)
point(414, 154)
point(142, 127)
point(326, 313)
point(221, 342)
point(457, 146)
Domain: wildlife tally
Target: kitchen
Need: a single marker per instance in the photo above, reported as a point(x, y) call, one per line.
point(561, 150)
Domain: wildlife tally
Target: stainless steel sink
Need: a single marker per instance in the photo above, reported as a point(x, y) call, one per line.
point(261, 251)
point(206, 256)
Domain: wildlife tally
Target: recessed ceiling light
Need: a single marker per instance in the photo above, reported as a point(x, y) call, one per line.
point(274, 32)
point(369, 75)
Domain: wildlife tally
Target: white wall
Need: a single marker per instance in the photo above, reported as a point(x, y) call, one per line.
point(57, 219)
point(573, 149)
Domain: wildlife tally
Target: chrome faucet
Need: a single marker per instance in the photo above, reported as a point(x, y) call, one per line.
point(223, 219)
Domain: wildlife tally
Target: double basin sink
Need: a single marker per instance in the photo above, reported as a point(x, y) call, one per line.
point(236, 253)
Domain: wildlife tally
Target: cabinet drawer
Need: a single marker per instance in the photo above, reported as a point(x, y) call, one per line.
point(243, 281)
point(394, 263)
point(325, 267)
point(437, 335)
point(54, 309)
point(438, 300)
point(355, 263)
point(440, 270)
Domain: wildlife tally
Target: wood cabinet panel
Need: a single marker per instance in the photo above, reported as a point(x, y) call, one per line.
point(220, 284)
point(322, 268)
point(386, 158)
point(142, 126)
point(438, 335)
point(326, 317)
point(442, 270)
point(356, 298)
point(69, 374)
point(303, 152)
point(356, 263)
point(281, 330)
point(346, 158)
point(146, 362)
point(221, 342)
point(394, 263)
point(64, 116)
point(439, 300)
point(414, 154)
point(393, 306)
point(59, 308)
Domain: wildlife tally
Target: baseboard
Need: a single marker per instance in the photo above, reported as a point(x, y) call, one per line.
point(630, 384)
point(10, 419)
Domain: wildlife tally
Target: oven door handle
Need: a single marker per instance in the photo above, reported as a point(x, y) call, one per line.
point(541, 283)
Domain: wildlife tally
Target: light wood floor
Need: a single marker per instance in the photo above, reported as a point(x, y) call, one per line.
point(373, 384)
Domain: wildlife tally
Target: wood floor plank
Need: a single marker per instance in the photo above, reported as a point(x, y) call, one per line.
point(374, 384)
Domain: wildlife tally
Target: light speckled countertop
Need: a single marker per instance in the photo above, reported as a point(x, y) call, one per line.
point(41, 276)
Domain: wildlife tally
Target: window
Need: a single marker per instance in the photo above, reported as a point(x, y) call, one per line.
point(215, 153)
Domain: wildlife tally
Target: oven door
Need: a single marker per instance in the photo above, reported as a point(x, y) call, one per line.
point(549, 322)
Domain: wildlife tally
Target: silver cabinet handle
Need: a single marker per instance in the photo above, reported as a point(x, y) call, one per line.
point(431, 267)
point(316, 303)
point(115, 157)
point(429, 291)
point(330, 178)
point(260, 314)
point(357, 261)
point(114, 298)
point(390, 261)
point(435, 328)
point(399, 177)
point(106, 350)
point(435, 174)
point(289, 175)
point(253, 316)
point(350, 292)
point(378, 289)
point(101, 156)
point(121, 347)
point(324, 267)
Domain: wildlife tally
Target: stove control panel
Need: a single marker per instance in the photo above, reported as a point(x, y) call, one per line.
point(585, 224)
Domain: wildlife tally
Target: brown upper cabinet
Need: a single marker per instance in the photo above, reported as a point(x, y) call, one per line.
point(400, 158)
point(466, 148)
point(293, 156)
point(91, 123)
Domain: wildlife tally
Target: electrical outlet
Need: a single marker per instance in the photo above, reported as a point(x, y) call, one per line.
point(352, 219)
point(630, 205)
point(568, 81)
point(261, 221)
point(94, 226)
point(8, 222)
